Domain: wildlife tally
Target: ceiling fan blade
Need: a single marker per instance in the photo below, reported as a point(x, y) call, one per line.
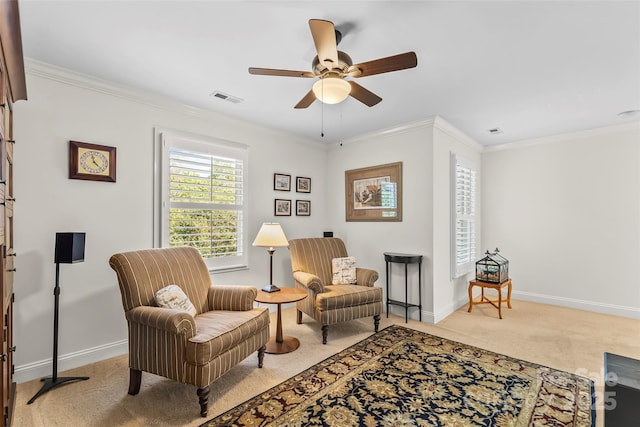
point(384, 65)
point(281, 73)
point(364, 95)
point(324, 37)
point(306, 101)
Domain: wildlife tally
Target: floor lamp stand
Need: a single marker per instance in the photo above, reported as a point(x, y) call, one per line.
point(55, 381)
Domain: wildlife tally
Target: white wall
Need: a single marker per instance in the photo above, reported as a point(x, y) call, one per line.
point(367, 241)
point(449, 294)
point(424, 149)
point(565, 211)
point(64, 106)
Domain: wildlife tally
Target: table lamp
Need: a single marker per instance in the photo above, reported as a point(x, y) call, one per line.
point(271, 236)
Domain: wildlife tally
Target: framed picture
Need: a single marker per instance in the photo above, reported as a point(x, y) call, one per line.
point(303, 184)
point(303, 207)
point(374, 193)
point(282, 207)
point(92, 162)
point(281, 182)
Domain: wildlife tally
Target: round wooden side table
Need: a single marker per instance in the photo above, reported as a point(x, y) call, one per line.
point(281, 344)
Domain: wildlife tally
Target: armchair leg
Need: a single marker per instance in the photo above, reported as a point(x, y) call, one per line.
point(299, 318)
point(261, 351)
point(203, 399)
point(376, 322)
point(325, 329)
point(135, 378)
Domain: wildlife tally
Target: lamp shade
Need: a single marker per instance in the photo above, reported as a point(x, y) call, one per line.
point(69, 248)
point(331, 90)
point(271, 236)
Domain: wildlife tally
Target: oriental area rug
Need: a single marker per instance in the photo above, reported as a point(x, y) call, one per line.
point(403, 377)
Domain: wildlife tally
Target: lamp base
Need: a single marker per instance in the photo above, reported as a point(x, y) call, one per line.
point(271, 288)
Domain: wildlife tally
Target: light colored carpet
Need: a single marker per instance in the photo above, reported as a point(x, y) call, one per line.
point(561, 338)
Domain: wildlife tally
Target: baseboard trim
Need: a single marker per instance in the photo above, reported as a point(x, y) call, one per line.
point(615, 310)
point(444, 313)
point(43, 368)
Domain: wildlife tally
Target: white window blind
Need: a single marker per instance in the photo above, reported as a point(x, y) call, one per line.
point(203, 198)
point(463, 223)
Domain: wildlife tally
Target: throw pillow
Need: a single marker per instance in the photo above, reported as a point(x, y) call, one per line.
point(344, 271)
point(171, 296)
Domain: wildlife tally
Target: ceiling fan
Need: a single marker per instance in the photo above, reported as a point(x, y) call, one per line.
point(332, 66)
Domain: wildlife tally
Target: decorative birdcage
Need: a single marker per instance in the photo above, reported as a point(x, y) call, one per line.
point(493, 268)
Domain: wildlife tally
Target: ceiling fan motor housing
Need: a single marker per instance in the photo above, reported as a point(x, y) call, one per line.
point(344, 62)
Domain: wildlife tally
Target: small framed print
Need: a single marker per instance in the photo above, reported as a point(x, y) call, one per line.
point(282, 207)
point(303, 207)
point(303, 184)
point(281, 182)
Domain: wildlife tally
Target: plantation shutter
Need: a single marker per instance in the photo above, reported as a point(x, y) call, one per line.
point(463, 222)
point(204, 199)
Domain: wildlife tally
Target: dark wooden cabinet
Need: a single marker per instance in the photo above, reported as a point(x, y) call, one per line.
point(12, 89)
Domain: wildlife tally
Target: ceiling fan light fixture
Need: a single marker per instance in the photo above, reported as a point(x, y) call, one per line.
point(331, 90)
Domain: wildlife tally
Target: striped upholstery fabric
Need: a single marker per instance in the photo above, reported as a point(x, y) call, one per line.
point(327, 303)
point(171, 343)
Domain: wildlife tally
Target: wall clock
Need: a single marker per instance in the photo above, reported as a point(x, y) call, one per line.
point(92, 161)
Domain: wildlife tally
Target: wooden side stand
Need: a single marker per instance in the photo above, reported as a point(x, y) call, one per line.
point(484, 300)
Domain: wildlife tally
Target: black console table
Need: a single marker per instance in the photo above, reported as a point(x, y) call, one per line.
point(405, 259)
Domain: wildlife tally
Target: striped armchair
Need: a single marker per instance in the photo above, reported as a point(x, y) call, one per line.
point(326, 303)
point(174, 344)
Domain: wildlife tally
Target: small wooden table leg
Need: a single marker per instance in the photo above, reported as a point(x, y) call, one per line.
point(486, 300)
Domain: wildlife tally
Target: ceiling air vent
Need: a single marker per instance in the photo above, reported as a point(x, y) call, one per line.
point(495, 131)
point(226, 97)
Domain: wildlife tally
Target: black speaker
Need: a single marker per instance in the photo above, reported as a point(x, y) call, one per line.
point(69, 248)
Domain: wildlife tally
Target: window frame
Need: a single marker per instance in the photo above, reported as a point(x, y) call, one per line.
point(459, 269)
point(164, 139)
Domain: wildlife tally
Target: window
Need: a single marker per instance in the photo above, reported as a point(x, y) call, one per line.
point(202, 197)
point(463, 222)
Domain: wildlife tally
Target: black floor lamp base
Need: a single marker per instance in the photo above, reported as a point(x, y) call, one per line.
point(50, 383)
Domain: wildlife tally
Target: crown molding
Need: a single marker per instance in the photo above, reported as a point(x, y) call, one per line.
point(563, 137)
point(85, 81)
point(96, 84)
point(432, 121)
point(394, 130)
point(457, 134)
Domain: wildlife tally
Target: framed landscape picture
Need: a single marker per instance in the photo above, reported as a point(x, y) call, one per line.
point(374, 193)
point(282, 207)
point(281, 182)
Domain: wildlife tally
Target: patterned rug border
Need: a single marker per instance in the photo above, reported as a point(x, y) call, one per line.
point(319, 366)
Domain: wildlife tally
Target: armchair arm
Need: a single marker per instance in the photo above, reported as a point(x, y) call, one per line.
point(309, 280)
point(231, 298)
point(165, 319)
point(366, 276)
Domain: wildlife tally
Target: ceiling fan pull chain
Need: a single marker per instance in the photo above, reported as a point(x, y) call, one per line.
point(322, 113)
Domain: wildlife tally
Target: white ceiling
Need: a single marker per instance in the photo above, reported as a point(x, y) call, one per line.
point(531, 69)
